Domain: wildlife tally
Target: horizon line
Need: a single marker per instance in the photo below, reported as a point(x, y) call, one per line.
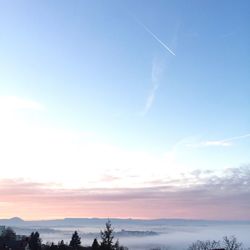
point(120, 218)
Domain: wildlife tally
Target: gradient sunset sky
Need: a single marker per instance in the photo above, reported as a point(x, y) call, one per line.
point(125, 109)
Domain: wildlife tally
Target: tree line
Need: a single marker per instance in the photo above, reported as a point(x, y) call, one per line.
point(9, 240)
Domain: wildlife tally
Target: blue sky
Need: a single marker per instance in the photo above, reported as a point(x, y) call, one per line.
point(96, 76)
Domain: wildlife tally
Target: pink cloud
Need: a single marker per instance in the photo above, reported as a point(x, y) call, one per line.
point(220, 198)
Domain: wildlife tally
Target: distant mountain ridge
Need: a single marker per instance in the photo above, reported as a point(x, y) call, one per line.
point(79, 222)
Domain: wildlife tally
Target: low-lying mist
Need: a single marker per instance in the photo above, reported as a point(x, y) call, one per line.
point(148, 236)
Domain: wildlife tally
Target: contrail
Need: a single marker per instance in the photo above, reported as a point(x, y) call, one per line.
point(224, 142)
point(235, 138)
point(157, 39)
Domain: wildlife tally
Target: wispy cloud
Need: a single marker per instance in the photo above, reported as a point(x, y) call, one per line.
point(157, 69)
point(219, 143)
point(150, 99)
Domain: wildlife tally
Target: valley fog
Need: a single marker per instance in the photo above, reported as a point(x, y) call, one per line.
point(166, 236)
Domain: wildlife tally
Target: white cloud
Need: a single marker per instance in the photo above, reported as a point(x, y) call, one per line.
point(79, 158)
point(150, 99)
point(11, 103)
point(157, 69)
point(74, 158)
point(218, 143)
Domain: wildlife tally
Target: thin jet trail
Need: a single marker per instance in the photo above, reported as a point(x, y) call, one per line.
point(152, 34)
point(157, 39)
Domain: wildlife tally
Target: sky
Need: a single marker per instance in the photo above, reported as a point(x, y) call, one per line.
point(129, 109)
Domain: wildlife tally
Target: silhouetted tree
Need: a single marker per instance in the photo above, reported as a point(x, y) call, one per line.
point(8, 235)
point(62, 245)
point(35, 241)
point(53, 246)
point(228, 243)
point(75, 241)
point(95, 245)
point(7, 238)
point(204, 245)
point(231, 243)
point(117, 245)
point(107, 237)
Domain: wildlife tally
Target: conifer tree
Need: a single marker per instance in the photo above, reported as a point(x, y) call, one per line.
point(35, 241)
point(95, 245)
point(75, 241)
point(107, 237)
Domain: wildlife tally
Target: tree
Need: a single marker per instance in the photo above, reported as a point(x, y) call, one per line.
point(62, 245)
point(107, 237)
point(35, 241)
point(95, 245)
point(8, 235)
point(228, 243)
point(75, 241)
point(117, 246)
point(204, 245)
point(231, 243)
point(7, 238)
point(53, 246)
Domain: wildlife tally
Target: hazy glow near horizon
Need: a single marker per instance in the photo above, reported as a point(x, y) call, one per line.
point(94, 108)
point(72, 158)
